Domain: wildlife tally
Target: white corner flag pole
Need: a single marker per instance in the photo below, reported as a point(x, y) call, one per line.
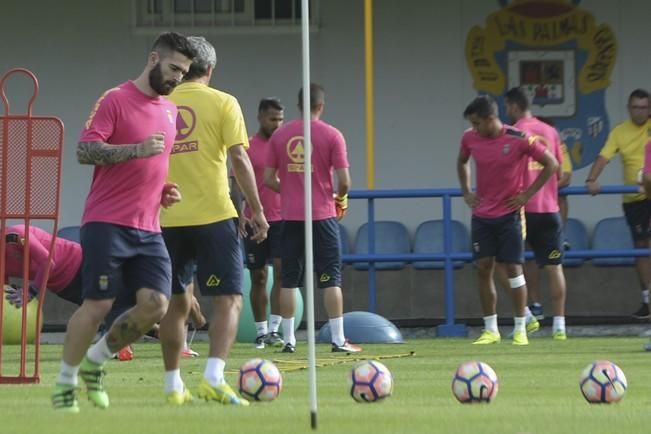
point(307, 177)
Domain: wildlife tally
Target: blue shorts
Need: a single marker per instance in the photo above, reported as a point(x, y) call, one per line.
point(327, 253)
point(215, 250)
point(73, 292)
point(259, 254)
point(500, 237)
point(638, 215)
point(545, 236)
point(119, 260)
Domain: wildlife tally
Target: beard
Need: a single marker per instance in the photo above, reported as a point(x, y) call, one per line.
point(158, 83)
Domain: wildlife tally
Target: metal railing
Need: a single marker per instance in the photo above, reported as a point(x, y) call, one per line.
point(451, 327)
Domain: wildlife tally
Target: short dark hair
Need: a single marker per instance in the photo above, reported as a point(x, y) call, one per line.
point(517, 96)
point(638, 93)
point(483, 106)
point(270, 103)
point(168, 42)
point(317, 96)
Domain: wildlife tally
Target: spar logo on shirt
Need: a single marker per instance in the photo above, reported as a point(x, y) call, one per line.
point(186, 120)
point(296, 154)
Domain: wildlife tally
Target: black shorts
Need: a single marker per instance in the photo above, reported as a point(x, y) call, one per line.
point(72, 292)
point(637, 215)
point(258, 255)
point(327, 253)
point(215, 250)
point(119, 260)
point(500, 237)
point(545, 236)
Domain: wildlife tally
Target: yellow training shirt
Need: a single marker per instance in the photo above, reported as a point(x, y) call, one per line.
point(566, 164)
point(629, 140)
point(209, 122)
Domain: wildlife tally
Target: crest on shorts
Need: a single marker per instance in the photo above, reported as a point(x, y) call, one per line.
point(103, 282)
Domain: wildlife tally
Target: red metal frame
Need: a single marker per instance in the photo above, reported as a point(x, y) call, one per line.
point(26, 212)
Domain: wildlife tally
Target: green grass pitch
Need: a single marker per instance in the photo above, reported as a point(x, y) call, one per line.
point(538, 393)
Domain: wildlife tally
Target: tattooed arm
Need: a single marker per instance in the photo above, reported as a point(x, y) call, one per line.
point(102, 154)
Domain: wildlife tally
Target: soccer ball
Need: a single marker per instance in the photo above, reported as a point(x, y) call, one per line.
point(370, 381)
point(260, 380)
point(602, 382)
point(475, 382)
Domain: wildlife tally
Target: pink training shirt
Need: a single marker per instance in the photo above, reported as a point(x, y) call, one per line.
point(64, 266)
point(647, 158)
point(501, 163)
point(287, 156)
point(129, 193)
point(258, 149)
point(546, 199)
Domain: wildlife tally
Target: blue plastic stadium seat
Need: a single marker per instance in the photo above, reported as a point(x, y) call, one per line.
point(577, 236)
point(391, 237)
point(70, 233)
point(429, 239)
point(612, 233)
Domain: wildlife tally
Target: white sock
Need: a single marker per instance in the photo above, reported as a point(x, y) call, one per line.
point(288, 331)
point(559, 324)
point(100, 353)
point(261, 328)
point(337, 331)
point(68, 374)
point(173, 381)
point(490, 323)
point(519, 324)
point(527, 314)
point(645, 296)
point(274, 323)
point(214, 373)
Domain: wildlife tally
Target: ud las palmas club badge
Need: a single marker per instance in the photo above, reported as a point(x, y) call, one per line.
point(561, 57)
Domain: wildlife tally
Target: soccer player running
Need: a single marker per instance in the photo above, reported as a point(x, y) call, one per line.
point(64, 279)
point(203, 229)
point(531, 272)
point(270, 117)
point(628, 139)
point(284, 174)
point(128, 137)
point(501, 155)
point(543, 219)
